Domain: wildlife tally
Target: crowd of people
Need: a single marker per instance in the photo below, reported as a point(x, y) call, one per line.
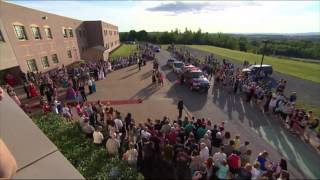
point(189, 148)
point(176, 149)
point(260, 92)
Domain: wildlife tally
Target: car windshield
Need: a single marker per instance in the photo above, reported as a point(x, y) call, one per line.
point(178, 65)
point(197, 74)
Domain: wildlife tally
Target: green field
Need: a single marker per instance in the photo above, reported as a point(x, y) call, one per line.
point(124, 50)
point(303, 70)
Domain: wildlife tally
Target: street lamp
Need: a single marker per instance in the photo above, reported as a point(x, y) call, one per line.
point(263, 52)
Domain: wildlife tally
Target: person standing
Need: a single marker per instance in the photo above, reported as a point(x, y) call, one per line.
point(26, 89)
point(82, 91)
point(33, 90)
point(94, 89)
point(180, 108)
point(139, 63)
point(90, 83)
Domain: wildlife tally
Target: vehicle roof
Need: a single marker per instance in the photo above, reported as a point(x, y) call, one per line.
point(195, 70)
point(263, 65)
point(189, 66)
point(177, 62)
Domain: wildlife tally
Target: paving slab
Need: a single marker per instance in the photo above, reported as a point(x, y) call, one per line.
point(54, 166)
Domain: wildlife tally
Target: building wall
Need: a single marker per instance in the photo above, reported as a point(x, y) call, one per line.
point(94, 33)
point(7, 56)
point(110, 36)
point(86, 34)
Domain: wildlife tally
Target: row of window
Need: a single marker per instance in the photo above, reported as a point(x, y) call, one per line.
point(105, 32)
point(22, 35)
point(32, 64)
point(111, 44)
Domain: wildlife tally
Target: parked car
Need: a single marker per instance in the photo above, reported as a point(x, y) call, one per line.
point(156, 49)
point(265, 70)
point(196, 80)
point(188, 67)
point(177, 66)
point(170, 62)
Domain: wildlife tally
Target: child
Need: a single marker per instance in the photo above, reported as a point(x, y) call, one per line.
point(161, 78)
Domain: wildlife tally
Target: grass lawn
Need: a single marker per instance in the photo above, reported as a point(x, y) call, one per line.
point(124, 50)
point(303, 70)
point(91, 161)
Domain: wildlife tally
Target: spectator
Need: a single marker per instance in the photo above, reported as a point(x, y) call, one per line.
point(234, 162)
point(204, 152)
point(113, 145)
point(223, 170)
point(88, 129)
point(98, 136)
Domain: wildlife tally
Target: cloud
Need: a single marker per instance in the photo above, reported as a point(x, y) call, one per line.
point(197, 7)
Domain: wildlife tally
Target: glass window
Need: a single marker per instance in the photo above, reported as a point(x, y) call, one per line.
point(48, 33)
point(70, 33)
point(32, 65)
point(36, 32)
point(20, 32)
point(64, 32)
point(54, 58)
point(69, 54)
point(1, 37)
point(45, 62)
point(80, 33)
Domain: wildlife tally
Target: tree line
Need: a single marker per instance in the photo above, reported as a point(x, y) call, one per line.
point(300, 48)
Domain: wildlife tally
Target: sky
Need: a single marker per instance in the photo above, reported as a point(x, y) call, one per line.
point(209, 16)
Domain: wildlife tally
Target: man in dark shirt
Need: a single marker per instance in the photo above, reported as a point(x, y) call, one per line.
point(180, 108)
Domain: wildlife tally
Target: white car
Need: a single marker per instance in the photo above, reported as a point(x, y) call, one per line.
point(177, 66)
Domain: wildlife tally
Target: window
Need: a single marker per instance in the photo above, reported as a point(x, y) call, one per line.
point(20, 32)
point(110, 33)
point(48, 33)
point(32, 65)
point(114, 33)
point(70, 33)
point(69, 54)
point(36, 32)
point(54, 58)
point(1, 37)
point(107, 46)
point(64, 32)
point(83, 49)
point(45, 62)
point(84, 33)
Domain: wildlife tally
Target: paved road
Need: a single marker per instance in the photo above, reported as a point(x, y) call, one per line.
point(263, 132)
point(307, 91)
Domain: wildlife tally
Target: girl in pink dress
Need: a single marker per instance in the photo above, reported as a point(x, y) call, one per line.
point(33, 90)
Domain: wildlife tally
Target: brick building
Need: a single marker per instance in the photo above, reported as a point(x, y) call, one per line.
point(32, 40)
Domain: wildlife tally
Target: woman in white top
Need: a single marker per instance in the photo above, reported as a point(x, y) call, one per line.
point(98, 136)
point(131, 156)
